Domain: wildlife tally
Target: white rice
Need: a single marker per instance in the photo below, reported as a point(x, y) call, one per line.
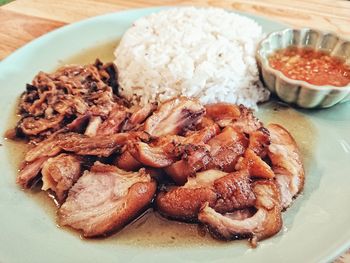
point(206, 53)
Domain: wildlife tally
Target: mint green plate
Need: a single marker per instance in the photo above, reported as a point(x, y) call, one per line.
point(316, 227)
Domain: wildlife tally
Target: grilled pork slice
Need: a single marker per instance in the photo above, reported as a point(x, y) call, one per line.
point(174, 116)
point(105, 199)
point(225, 192)
point(266, 222)
point(286, 163)
point(60, 173)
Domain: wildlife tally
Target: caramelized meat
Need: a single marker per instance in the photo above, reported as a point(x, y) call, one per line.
point(266, 222)
point(259, 141)
point(226, 192)
point(247, 122)
point(105, 199)
point(156, 156)
point(223, 113)
point(286, 163)
point(255, 165)
point(127, 162)
point(60, 173)
point(195, 157)
point(174, 117)
point(226, 148)
point(138, 116)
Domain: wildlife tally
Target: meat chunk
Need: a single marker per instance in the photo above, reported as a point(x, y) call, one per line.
point(30, 171)
point(105, 199)
point(226, 192)
point(101, 145)
point(259, 141)
point(223, 113)
point(127, 162)
point(174, 116)
point(114, 122)
point(286, 163)
point(196, 154)
point(158, 154)
point(226, 148)
point(255, 165)
point(47, 148)
point(138, 116)
point(194, 158)
point(266, 222)
point(34, 125)
point(238, 117)
point(60, 173)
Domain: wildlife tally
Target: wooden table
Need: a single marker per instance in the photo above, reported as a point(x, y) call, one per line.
point(24, 20)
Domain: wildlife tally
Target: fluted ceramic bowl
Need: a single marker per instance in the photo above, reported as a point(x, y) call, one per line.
point(299, 92)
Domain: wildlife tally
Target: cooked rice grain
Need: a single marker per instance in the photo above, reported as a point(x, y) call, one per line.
point(206, 53)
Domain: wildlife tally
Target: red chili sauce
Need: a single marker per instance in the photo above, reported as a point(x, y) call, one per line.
point(315, 67)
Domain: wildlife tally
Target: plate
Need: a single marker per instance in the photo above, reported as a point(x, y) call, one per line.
point(316, 227)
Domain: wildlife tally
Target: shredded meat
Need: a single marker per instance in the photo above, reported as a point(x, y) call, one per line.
point(54, 100)
point(105, 199)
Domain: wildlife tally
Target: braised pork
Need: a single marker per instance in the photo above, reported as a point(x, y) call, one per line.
point(60, 173)
point(224, 191)
point(105, 199)
point(30, 171)
point(286, 163)
point(174, 116)
point(266, 222)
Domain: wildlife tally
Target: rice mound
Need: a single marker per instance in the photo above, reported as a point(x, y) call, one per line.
point(205, 53)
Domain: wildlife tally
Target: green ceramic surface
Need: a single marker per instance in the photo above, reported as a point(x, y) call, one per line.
point(316, 227)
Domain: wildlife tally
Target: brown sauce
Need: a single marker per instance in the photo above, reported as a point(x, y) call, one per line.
point(150, 229)
point(314, 67)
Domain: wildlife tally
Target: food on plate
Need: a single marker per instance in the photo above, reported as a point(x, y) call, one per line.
point(105, 199)
point(203, 53)
point(169, 128)
point(260, 224)
point(191, 162)
point(310, 65)
point(286, 163)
